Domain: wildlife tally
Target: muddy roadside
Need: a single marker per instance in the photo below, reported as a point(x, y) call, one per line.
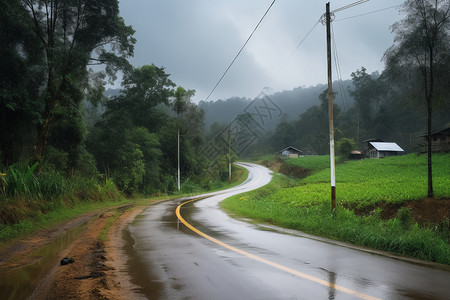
point(99, 269)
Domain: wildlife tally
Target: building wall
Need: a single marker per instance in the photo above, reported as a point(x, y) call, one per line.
point(373, 153)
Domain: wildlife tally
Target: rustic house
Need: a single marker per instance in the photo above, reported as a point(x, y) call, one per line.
point(383, 149)
point(440, 140)
point(367, 146)
point(290, 152)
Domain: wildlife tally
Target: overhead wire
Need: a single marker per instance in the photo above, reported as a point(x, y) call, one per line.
point(338, 68)
point(295, 50)
point(368, 13)
point(338, 71)
point(242, 48)
point(300, 43)
point(348, 6)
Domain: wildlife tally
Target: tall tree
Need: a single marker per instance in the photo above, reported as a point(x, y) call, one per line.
point(21, 75)
point(189, 125)
point(73, 34)
point(127, 142)
point(421, 48)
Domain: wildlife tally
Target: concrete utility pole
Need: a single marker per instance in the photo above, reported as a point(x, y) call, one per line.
point(328, 16)
point(229, 156)
point(178, 135)
point(330, 109)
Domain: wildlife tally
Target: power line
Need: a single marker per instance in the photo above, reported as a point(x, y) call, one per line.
point(338, 70)
point(368, 13)
point(242, 48)
point(348, 6)
point(293, 52)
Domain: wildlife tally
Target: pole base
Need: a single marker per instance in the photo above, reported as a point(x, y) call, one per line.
point(333, 197)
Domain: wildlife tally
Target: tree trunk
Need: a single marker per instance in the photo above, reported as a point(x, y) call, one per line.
point(429, 97)
point(41, 142)
point(430, 173)
point(43, 129)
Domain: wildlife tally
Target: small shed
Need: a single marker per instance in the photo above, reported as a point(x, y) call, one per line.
point(367, 146)
point(290, 152)
point(355, 154)
point(440, 140)
point(383, 149)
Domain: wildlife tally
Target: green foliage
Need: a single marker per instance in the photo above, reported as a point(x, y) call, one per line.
point(344, 147)
point(404, 217)
point(44, 75)
point(369, 95)
point(419, 61)
point(443, 229)
point(313, 163)
point(21, 76)
point(180, 104)
point(22, 180)
point(131, 170)
point(55, 159)
point(111, 220)
point(3, 184)
point(52, 217)
point(136, 142)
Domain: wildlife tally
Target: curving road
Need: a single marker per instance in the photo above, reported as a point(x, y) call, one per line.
point(205, 254)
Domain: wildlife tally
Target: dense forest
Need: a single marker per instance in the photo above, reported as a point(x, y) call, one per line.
point(58, 124)
point(62, 136)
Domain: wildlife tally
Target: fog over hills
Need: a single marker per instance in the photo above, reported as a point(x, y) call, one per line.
point(292, 103)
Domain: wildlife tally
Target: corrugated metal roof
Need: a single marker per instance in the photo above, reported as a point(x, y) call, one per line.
point(290, 147)
point(382, 146)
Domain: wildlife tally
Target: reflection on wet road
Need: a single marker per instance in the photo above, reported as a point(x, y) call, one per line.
point(170, 261)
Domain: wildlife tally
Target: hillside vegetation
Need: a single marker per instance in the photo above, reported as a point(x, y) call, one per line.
point(381, 204)
point(365, 183)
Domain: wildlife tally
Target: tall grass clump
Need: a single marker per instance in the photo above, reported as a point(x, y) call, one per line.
point(26, 193)
point(21, 180)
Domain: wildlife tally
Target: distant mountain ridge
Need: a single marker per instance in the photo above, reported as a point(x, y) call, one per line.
point(291, 102)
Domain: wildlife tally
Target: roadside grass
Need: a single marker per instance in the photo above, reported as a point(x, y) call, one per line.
point(313, 163)
point(26, 213)
point(305, 204)
point(111, 220)
point(52, 218)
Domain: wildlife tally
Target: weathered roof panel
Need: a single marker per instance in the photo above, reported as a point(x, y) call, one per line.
point(292, 148)
point(382, 146)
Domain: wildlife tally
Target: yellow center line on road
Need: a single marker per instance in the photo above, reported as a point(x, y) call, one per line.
point(270, 263)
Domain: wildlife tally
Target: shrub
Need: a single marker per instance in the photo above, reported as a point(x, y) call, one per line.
point(55, 159)
point(344, 147)
point(21, 180)
point(404, 217)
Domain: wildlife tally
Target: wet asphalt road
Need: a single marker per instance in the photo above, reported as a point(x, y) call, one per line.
point(170, 261)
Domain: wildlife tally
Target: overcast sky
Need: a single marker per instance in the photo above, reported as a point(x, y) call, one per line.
point(195, 40)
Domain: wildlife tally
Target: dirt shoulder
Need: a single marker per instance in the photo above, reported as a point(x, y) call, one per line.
point(99, 268)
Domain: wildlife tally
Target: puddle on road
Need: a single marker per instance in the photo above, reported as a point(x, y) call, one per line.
point(20, 282)
point(141, 276)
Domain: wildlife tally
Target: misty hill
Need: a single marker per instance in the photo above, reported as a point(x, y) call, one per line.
point(109, 93)
point(292, 103)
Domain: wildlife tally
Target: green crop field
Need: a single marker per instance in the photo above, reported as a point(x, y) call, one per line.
point(370, 181)
point(367, 185)
point(314, 163)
